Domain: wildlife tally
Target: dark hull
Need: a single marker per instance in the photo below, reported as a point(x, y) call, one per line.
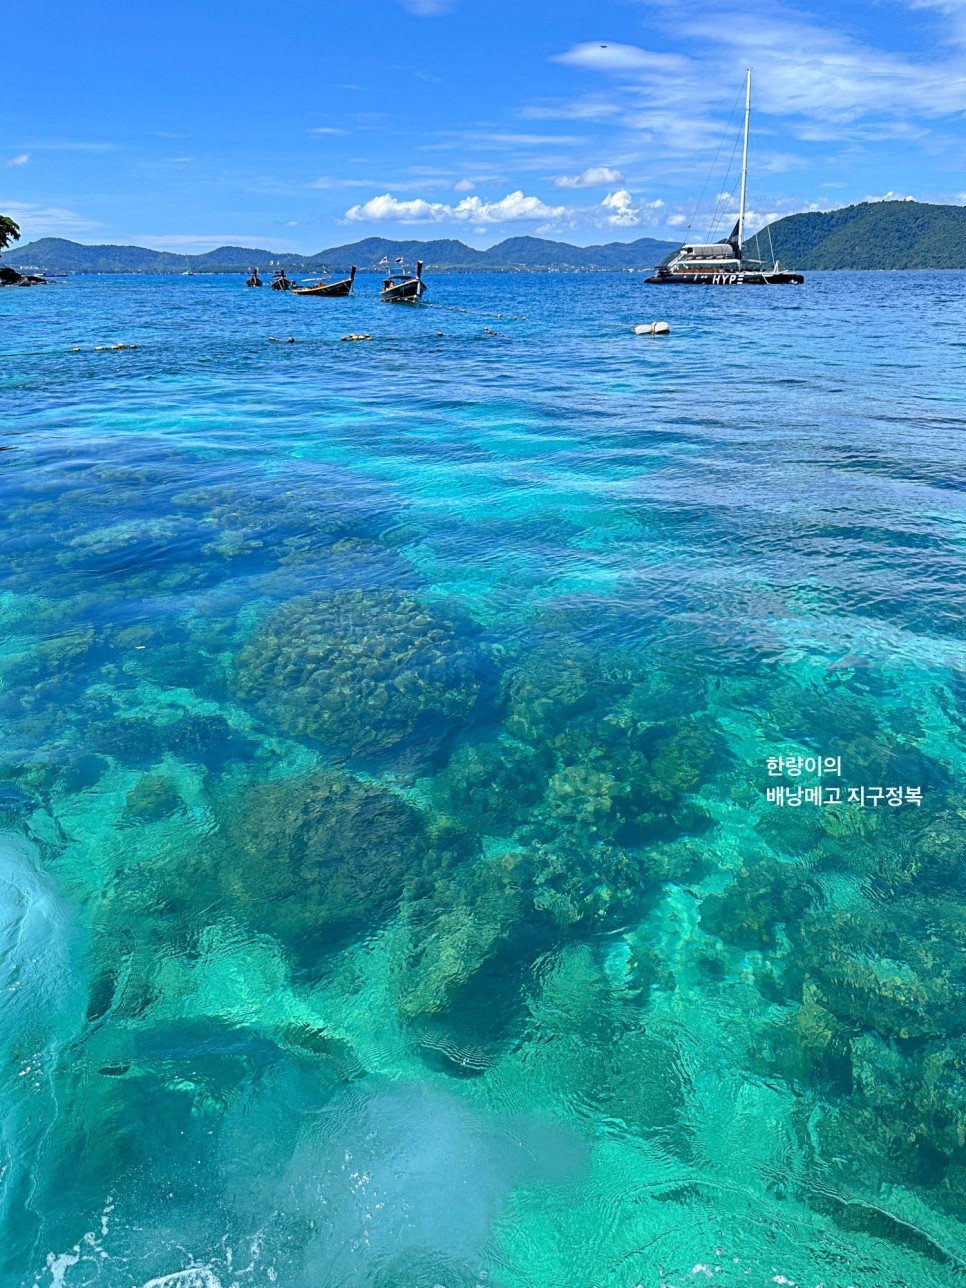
point(744, 278)
point(403, 292)
point(329, 290)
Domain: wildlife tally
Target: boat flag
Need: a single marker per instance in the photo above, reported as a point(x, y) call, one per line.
point(399, 260)
point(384, 260)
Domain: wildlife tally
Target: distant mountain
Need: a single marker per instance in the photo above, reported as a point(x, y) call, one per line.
point(236, 256)
point(59, 256)
point(535, 252)
point(871, 235)
point(55, 255)
point(443, 253)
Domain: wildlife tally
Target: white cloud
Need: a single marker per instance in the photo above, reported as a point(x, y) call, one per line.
point(464, 185)
point(21, 159)
point(621, 58)
point(58, 146)
point(831, 83)
point(46, 221)
point(416, 211)
point(322, 130)
point(209, 241)
point(620, 209)
point(596, 176)
point(511, 208)
point(801, 67)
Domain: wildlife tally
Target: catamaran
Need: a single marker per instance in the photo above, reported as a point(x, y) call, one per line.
point(724, 263)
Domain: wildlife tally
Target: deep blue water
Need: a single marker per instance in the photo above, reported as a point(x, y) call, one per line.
point(389, 888)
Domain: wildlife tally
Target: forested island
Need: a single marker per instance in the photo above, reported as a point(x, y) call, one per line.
point(872, 235)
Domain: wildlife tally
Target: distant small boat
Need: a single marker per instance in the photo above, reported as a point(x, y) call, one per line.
point(282, 283)
point(404, 288)
point(254, 280)
point(329, 288)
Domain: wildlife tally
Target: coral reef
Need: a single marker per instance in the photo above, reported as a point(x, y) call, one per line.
point(755, 903)
point(309, 858)
point(492, 786)
point(447, 934)
point(364, 672)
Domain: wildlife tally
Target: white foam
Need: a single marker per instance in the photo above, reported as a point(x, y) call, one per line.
point(193, 1277)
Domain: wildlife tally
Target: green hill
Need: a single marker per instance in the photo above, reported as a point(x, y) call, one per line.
point(536, 252)
point(55, 255)
point(58, 255)
point(872, 235)
point(229, 256)
point(443, 253)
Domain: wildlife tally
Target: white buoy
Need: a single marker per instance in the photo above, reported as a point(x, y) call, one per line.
point(653, 328)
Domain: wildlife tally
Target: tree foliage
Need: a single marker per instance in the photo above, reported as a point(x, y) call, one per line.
point(9, 232)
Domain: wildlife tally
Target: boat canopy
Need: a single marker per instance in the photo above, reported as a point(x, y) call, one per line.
point(716, 250)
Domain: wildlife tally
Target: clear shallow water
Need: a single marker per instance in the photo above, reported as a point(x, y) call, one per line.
point(388, 889)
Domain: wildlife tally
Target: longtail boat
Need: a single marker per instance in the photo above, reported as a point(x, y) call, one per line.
point(254, 280)
point(329, 288)
point(280, 282)
point(403, 287)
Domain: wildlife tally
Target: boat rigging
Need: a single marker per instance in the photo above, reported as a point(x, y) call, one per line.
point(724, 263)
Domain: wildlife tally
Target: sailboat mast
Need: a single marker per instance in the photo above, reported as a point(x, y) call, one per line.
point(744, 164)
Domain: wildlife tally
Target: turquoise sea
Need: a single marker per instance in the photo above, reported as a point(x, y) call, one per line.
point(390, 891)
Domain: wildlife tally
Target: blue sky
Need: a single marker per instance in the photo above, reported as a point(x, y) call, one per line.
point(305, 125)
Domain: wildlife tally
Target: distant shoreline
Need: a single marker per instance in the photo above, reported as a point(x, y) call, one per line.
point(369, 272)
point(887, 236)
point(446, 271)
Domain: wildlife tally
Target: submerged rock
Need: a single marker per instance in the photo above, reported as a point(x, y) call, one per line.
point(153, 797)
